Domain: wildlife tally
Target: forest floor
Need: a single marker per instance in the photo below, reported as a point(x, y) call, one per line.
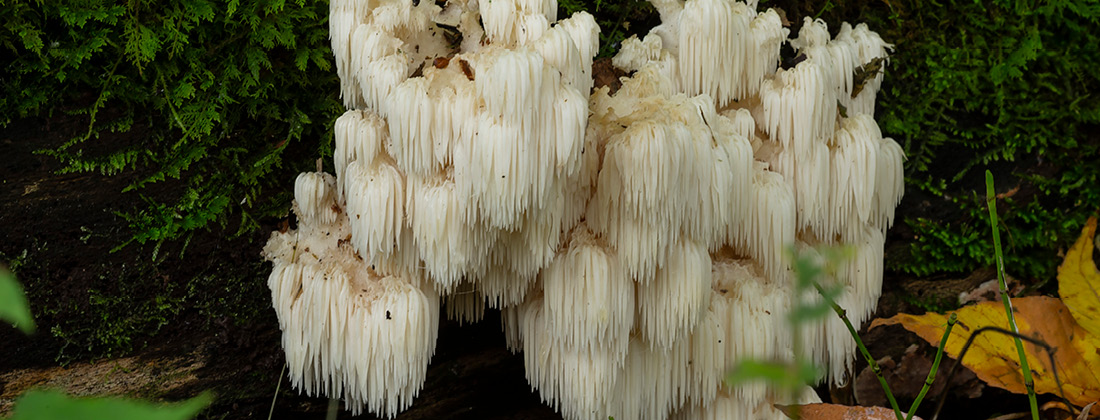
point(152, 322)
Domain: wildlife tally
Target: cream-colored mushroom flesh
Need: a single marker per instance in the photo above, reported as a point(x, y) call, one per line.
point(636, 243)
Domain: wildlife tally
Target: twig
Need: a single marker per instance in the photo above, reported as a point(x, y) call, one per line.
point(1018, 336)
point(863, 350)
point(935, 367)
point(1029, 383)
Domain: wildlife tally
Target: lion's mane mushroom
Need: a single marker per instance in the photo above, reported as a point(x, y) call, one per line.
point(635, 242)
point(457, 168)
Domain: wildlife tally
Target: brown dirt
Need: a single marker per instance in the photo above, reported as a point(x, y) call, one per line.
point(133, 375)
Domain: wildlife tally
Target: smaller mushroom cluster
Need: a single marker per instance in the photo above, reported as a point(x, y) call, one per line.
point(349, 331)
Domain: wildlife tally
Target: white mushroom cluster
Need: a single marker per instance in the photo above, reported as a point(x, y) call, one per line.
point(635, 242)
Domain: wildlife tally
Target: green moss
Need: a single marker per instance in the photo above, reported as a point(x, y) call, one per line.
point(235, 293)
point(114, 316)
point(122, 307)
point(218, 93)
point(935, 304)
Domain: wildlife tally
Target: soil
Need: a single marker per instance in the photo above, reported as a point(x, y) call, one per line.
point(62, 231)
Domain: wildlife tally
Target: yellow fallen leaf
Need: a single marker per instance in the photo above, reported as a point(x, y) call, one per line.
point(821, 411)
point(1079, 281)
point(993, 355)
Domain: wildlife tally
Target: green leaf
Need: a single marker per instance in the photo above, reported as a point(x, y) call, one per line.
point(1011, 68)
point(810, 312)
point(184, 91)
point(301, 59)
point(13, 303)
point(56, 405)
point(141, 43)
point(199, 10)
point(32, 39)
point(780, 374)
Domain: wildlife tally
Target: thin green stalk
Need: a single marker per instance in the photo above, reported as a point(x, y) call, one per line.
point(790, 391)
point(793, 368)
point(333, 409)
point(863, 350)
point(935, 367)
point(1029, 383)
point(271, 412)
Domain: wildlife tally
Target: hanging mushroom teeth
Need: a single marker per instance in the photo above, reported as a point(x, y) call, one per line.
point(348, 332)
point(463, 305)
point(317, 202)
point(583, 297)
point(671, 166)
point(669, 305)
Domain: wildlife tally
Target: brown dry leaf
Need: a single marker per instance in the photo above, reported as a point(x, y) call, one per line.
point(906, 378)
point(822, 411)
point(1079, 281)
point(993, 355)
point(1057, 410)
point(1085, 411)
point(782, 17)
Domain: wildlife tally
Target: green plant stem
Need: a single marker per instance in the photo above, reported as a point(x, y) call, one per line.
point(1029, 383)
point(278, 385)
point(175, 115)
point(333, 409)
point(793, 368)
point(843, 314)
point(91, 114)
point(935, 367)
